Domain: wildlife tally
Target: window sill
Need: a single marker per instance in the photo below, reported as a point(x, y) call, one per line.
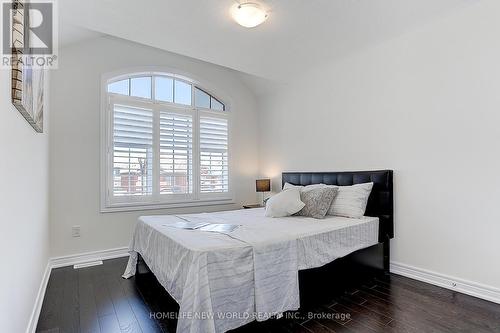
point(157, 206)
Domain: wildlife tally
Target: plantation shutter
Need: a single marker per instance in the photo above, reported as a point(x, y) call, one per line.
point(214, 169)
point(166, 144)
point(176, 153)
point(132, 151)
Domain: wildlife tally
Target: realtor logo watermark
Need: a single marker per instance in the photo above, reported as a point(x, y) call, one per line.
point(29, 33)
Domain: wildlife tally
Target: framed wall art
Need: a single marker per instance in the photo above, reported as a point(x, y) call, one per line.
point(27, 78)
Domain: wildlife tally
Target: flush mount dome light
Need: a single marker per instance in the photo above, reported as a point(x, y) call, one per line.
point(249, 14)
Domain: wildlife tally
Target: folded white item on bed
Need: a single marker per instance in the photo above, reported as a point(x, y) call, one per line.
point(188, 224)
point(251, 272)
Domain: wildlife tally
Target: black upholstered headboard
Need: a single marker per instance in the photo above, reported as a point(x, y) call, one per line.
point(380, 203)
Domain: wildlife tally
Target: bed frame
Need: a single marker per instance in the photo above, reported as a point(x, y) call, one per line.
point(380, 204)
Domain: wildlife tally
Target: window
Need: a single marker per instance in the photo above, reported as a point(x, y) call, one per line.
point(167, 144)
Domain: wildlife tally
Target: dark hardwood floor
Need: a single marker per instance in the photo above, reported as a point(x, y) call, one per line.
point(97, 299)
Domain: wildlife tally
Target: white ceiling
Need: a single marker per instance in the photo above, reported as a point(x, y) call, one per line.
point(297, 35)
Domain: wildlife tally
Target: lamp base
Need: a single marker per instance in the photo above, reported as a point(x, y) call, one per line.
point(264, 200)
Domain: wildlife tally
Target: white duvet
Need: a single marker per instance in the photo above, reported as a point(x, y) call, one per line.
point(223, 281)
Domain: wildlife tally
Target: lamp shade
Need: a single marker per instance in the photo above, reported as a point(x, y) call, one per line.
point(263, 185)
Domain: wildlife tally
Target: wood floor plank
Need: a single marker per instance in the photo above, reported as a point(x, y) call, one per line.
point(357, 326)
point(50, 314)
point(365, 312)
point(89, 322)
point(298, 328)
point(334, 326)
point(141, 311)
point(286, 324)
point(109, 324)
point(398, 326)
point(126, 317)
point(103, 301)
point(289, 327)
point(158, 302)
point(362, 318)
point(314, 326)
point(70, 310)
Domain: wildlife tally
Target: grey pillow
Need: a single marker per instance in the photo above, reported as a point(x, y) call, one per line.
point(317, 201)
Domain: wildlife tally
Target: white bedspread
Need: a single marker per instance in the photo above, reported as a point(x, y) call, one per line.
point(225, 281)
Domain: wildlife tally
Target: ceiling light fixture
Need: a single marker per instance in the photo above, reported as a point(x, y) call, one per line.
point(249, 14)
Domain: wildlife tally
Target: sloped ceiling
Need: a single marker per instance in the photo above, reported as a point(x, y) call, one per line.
point(297, 35)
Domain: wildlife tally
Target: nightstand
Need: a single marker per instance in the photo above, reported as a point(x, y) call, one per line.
point(253, 206)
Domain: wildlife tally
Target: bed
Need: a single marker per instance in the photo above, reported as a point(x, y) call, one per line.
point(224, 281)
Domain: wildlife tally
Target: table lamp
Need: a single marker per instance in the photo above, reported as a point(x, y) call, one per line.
point(263, 185)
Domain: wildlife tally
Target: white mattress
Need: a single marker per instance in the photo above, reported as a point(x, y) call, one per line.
point(225, 281)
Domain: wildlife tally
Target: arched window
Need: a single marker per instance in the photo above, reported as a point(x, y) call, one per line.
point(166, 143)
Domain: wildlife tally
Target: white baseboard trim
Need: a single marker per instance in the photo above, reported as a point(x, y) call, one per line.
point(74, 259)
point(82, 258)
point(449, 282)
point(39, 300)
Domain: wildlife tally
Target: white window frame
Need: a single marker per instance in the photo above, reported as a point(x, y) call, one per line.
point(110, 203)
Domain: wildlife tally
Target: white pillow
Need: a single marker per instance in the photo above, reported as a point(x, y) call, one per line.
point(303, 188)
point(351, 200)
point(285, 203)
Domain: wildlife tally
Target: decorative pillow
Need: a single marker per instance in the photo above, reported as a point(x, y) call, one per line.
point(317, 201)
point(285, 203)
point(351, 201)
point(303, 188)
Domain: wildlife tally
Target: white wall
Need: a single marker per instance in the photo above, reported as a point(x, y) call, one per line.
point(24, 204)
point(427, 105)
point(75, 143)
